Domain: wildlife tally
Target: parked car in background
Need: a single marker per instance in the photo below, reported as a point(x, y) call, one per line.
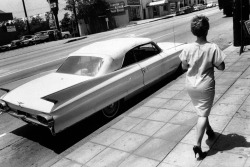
point(66, 34)
point(97, 77)
point(41, 37)
point(28, 41)
point(184, 10)
point(180, 11)
point(19, 42)
point(15, 44)
point(210, 5)
point(5, 47)
point(199, 7)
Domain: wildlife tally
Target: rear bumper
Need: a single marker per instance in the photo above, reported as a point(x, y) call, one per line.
point(33, 121)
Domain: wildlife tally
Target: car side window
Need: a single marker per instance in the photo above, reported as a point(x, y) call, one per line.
point(145, 51)
point(128, 59)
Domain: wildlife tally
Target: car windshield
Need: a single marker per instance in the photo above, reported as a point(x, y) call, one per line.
point(81, 65)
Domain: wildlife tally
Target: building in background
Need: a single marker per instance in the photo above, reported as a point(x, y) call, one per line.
point(125, 11)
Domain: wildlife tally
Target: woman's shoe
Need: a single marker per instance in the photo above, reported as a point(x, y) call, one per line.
point(198, 150)
point(210, 133)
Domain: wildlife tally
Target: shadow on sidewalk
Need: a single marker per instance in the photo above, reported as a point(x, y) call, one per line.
point(227, 142)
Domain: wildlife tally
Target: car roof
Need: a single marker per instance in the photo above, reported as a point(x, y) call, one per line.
point(112, 48)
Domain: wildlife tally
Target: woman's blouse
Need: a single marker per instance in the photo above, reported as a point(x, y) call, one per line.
point(201, 59)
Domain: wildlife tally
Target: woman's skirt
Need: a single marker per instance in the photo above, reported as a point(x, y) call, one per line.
point(202, 97)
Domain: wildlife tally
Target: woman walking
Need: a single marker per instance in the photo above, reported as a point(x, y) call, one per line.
point(199, 59)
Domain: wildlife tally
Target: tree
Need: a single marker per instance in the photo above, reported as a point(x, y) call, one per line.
point(21, 26)
point(93, 12)
point(38, 24)
point(66, 23)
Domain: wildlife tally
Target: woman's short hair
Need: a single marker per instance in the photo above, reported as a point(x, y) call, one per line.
point(200, 25)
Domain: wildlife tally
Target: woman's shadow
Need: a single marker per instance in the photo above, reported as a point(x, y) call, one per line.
point(226, 142)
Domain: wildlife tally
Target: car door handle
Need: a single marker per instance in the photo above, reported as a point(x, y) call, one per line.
point(143, 70)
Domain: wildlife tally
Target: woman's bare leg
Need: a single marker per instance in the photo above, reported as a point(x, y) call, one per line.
point(200, 129)
point(208, 127)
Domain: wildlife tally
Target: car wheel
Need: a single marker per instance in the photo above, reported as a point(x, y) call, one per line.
point(112, 109)
point(179, 71)
point(66, 36)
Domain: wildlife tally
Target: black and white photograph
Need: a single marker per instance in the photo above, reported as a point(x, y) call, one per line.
point(124, 83)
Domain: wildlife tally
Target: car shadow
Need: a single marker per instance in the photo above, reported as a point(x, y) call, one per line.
point(85, 128)
point(231, 141)
point(64, 139)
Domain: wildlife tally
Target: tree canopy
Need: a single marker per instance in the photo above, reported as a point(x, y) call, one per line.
point(87, 8)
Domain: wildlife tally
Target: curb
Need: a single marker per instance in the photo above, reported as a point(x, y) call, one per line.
point(145, 20)
point(76, 39)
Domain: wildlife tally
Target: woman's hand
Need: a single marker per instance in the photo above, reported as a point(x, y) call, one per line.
point(221, 66)
point(184, 65)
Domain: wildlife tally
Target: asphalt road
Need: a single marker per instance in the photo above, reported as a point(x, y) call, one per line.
point(25, 145)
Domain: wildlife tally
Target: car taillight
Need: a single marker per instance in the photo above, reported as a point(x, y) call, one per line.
point(3, 106)
point(45, 119)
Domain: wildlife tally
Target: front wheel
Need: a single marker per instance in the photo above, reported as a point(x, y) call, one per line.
point(112, 109)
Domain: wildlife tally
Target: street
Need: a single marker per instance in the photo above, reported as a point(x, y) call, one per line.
point(26, 145)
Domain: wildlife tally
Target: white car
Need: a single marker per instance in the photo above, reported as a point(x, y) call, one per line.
point(66, 34)
point(28, 41)
point(97, 77)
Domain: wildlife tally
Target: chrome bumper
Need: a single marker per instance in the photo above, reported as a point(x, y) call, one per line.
point(33, 121)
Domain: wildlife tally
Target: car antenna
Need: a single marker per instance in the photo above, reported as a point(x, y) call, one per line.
point(174, 29)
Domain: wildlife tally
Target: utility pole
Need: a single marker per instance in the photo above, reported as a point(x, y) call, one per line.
point(27, 21)
point(74, 11)
point(54, 8)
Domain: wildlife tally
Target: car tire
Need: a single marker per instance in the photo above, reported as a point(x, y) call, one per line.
point(179, 71)
point(111, 110)
point(66, 36)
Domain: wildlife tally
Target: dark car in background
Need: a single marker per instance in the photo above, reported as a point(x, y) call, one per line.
point(28, 40)
point(199, 7)
point(41, 36)
point(5, 47)
point(184, 10)
point(19, 42)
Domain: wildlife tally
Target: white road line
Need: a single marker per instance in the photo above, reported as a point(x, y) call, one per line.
point(6, 74)
point(163, 35)
point(142, 34)
point(2, 135)
point(136, 35)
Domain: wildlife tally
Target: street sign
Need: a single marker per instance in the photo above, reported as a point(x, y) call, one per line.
point(117, 7)
point(11, 28)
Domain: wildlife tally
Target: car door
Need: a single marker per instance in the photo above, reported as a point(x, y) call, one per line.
point(148, 58)
point(132, 73)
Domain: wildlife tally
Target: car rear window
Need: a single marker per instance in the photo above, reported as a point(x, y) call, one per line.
point(81, 65)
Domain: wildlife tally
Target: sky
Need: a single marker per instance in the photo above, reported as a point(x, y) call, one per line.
point(33, 7)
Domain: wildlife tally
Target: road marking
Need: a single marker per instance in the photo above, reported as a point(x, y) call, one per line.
point(9, 73)
point(164, 35)
point(2, 135)
point(136, 35)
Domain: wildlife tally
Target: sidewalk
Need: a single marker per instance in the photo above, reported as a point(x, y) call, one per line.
point(160, 131)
